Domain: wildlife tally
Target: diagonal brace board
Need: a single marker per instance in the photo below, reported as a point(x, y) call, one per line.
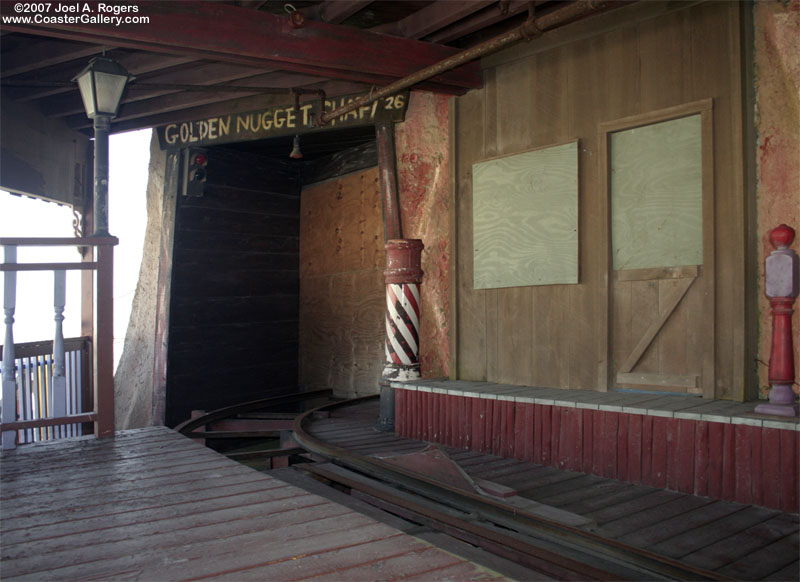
point(680, 291)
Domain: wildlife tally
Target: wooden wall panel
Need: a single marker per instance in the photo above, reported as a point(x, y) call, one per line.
point(342, 294)
point(470, 326)
point(560, 88)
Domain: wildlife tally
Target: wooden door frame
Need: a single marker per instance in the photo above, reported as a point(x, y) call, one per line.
point(704, 108)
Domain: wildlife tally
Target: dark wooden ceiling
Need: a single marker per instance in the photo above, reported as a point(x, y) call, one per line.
point(196, 59)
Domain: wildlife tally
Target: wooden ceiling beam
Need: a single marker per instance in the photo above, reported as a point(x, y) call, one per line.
point(433, 17)
point(230, 106)
point(43, 54)
point(136, 63)
point(227, 33)
point(481, 20)
point(335, 11)
point(200, 74)
point(179, 101)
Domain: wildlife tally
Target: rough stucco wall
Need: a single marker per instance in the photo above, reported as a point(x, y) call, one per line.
point(423, 167)
point(133, 381)
point(777, 62)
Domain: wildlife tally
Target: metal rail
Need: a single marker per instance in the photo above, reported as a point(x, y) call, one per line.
point(542, 544)
point(187, 427)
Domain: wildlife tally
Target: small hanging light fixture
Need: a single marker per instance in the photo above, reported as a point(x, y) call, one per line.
point(296, 153)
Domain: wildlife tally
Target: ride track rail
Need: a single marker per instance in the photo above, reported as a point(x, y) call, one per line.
point(544, 545)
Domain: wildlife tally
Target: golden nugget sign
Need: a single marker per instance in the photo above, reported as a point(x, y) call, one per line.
point(278, 121)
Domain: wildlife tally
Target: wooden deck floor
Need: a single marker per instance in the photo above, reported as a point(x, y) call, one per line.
point(744, 542)
point(152, 505)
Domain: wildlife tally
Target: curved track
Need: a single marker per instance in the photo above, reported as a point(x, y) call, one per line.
point(553, 548)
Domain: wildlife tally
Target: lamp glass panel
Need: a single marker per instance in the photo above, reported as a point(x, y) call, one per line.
point(109, 91)
point(85, 86)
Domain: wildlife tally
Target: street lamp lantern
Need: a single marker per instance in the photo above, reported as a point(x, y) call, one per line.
point(102, 84)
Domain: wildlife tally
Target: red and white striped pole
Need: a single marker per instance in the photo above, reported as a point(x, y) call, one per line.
point(782, 268)
point(403, 276)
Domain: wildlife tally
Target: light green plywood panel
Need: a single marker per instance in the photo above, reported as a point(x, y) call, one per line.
point(525, 218)
point(657, 195)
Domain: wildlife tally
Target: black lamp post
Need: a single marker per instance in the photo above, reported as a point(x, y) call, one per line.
point(102, 84)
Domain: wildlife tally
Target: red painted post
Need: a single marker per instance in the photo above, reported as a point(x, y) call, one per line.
point(403, 275)
point(782, 287)
point(104, 340)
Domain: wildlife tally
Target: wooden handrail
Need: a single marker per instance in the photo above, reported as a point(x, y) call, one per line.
point(81, 241)
point(88, 266)
point(45, 347)
point(50, 421)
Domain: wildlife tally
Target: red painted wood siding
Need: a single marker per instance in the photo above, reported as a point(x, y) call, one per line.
point(736, 462)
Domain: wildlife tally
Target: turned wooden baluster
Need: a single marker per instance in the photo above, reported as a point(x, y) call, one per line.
point(9, 355)
point(782, 287)
point(59, 380)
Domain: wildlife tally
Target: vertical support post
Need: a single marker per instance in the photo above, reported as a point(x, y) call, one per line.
point(782, 287)
point(102, 127)
point(403, 276)
point(59, 380)
point(9, 414)
point(104, 342)
point(387, 170)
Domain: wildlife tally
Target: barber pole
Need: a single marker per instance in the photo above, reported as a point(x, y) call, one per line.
point(402, 329)
point(403, 276)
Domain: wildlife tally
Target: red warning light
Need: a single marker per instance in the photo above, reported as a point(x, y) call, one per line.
point(200, 159)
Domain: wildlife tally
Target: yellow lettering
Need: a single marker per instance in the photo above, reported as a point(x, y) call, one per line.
point(212, 128)
point(266, 121)
point(255, 122)
point(242, 124)
point(278, 119)
point(362, 111)
point(203, 127)
point(184, 132)
point(291, 116)
point(224, 126)
point(305, 109)
point(171, 134)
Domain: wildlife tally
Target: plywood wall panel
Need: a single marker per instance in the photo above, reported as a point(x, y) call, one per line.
point(342, 294)
point(341, 332)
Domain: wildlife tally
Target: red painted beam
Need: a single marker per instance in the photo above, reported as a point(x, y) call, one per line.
point(227, 33)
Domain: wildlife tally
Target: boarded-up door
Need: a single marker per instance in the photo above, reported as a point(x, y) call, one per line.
point(660, 185)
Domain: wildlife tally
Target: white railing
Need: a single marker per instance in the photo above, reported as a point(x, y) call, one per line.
point(44, 402)
point(35, 363)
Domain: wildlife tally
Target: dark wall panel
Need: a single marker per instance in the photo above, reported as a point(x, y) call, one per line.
point(235, 286)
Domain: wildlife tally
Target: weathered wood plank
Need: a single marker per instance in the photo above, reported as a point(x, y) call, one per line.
point(667, 505)
point(732, 548)
point(767, 560)
point(700, 512)
point(109, 541)
point(685, 543)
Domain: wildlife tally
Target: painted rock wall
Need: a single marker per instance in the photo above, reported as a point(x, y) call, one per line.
point(423, 168)
point(133, 380)
point(777, 61)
